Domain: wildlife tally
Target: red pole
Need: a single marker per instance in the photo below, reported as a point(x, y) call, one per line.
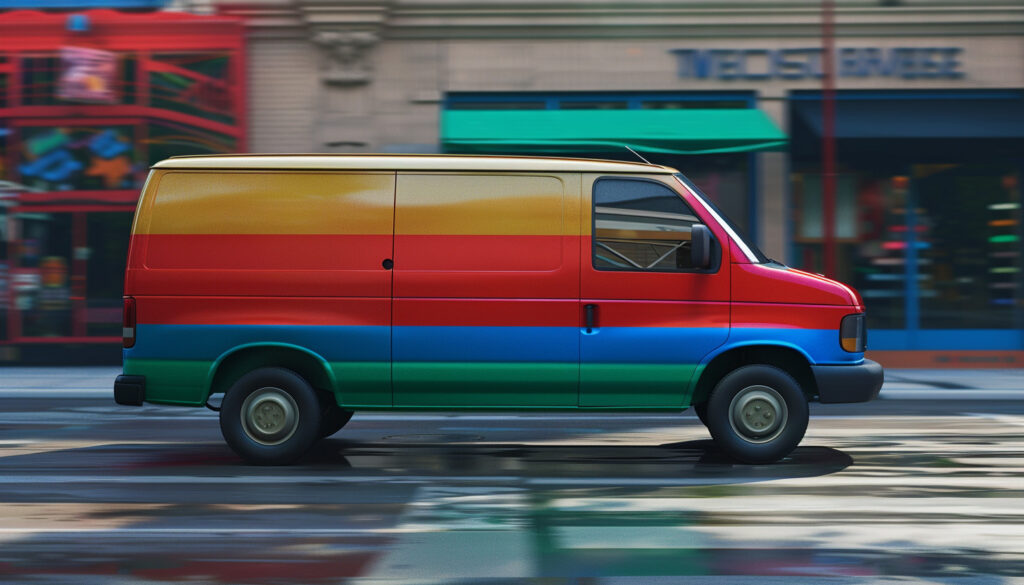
point(828, 135)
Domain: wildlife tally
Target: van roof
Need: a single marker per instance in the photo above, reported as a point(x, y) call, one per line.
point(406, 162)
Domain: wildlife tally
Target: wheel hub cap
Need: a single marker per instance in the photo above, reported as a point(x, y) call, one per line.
point(270, 416)
point(758, 414)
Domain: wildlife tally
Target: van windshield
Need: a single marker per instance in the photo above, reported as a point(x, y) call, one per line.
point(734, 230)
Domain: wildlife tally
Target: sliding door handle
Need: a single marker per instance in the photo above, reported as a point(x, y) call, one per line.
point(590, 314)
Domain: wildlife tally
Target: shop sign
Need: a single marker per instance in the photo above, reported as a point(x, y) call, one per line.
point(806, 63)
point(87, 75)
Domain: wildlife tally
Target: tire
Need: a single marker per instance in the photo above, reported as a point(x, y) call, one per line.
point(270, 416)
point(332, 417)
point(757, 414)
point(702, 412)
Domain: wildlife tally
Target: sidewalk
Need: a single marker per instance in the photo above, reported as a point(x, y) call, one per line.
point(914, 379)
point(921, 384)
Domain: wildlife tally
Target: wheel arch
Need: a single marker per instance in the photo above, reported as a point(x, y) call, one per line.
point(791, 359)
point(239, 360)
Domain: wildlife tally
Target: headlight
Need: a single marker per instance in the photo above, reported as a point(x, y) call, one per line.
point(853, 337)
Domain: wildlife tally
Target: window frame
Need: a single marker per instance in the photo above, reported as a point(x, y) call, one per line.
point(716, 249)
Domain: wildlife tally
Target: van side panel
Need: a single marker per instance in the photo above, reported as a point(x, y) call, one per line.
point(227, 260)
point(653, 328)
point(486, 290)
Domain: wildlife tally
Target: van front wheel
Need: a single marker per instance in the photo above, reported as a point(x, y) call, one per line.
point(757, 414)
point(270, 416)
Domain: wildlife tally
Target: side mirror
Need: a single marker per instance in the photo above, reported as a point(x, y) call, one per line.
point(700, 246)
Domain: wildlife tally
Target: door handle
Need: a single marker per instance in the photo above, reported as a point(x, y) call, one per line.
point(589, 312)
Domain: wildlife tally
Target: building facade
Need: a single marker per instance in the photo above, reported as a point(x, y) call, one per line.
point(929, 127)
point(88, 100)
point(929, 124)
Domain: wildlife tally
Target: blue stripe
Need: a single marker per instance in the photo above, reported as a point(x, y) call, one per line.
point(625, 345)
point(486, 344)
point(208, 342)
point(651, 345)
point(820, 345)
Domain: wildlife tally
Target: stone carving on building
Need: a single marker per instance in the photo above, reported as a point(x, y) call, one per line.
point(346, 59)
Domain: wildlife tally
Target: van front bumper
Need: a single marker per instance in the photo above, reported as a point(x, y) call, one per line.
point(130, 390)
point(859, 383)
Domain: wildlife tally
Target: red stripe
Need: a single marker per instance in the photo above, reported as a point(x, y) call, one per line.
point(652, 286)
point(487, 312)
point(262, 311)
point(531, 267)
point(788, 316)
point(757, 283)
point(423, 312)
point(475, 252)
point(255, 283)
point(268, 252)
point(660, 313)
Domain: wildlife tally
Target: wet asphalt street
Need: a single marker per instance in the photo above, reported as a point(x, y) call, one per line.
point(910, 488)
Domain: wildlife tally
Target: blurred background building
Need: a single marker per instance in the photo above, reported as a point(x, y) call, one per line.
point(89, 98)
point(929, 126)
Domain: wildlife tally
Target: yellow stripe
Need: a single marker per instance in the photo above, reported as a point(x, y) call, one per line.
point(186, 202)
point(485, 204)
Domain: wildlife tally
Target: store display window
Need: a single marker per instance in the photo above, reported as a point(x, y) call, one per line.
point(936, 248)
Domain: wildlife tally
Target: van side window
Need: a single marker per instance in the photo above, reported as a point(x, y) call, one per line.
point(640, 225)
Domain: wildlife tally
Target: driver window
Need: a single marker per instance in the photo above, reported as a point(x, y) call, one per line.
point(640, 226)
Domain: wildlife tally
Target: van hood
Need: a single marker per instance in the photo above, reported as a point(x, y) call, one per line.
point(777, 283)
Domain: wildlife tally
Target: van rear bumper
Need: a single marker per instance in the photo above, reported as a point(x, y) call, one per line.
point(859, 383)
point(130, 390)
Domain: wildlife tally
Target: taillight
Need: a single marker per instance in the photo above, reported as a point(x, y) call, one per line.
point(852, 334)
point(128, 322)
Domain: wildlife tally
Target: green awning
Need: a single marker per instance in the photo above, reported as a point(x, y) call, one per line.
point(603, 131)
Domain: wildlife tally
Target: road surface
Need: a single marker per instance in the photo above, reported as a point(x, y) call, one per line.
point(919, 486)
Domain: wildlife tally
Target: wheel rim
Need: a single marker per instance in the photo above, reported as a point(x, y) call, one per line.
point(758, 414)
point(270, 416)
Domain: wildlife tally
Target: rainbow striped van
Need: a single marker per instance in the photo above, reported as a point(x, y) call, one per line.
point(303, 288)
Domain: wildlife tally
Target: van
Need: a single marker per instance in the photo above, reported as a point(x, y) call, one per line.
point(304, 288)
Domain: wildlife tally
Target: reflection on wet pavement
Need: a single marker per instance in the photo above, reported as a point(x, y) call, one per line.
point(514, 499)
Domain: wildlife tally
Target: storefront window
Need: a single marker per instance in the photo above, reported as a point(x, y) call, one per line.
point(970, 233)
point(869, 224)
point(197, 84)
point(105, 256)
point(947, 235)
point(41, 279)
point(85, 158)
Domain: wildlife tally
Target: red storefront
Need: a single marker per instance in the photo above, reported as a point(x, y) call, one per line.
point(88, 101)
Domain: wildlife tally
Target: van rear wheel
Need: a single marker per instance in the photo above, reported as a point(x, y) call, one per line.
point(757, 414)
point(270, 416)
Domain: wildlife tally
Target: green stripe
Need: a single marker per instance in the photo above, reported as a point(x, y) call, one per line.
point(456, 385)
point(185, 382)
point(636, 385)
point(485, 384)
point(362, 383)
point(172, 381)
